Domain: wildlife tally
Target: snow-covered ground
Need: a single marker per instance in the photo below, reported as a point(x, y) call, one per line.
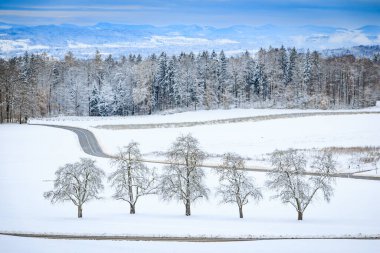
point(30, 155)
point(190, 116)
point(16, 245)
point(255, 138)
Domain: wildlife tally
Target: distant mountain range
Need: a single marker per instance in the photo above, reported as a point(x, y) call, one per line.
point(120, 39)
point(358, 51)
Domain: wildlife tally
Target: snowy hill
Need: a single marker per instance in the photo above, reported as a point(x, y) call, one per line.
point(358, 51)
point(120, 39)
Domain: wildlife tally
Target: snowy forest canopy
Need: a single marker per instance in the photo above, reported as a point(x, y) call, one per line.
point(39, 86)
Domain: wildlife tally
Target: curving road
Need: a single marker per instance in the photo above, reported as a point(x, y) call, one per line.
point(87, 140)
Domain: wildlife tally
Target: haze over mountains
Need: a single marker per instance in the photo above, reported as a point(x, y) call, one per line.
point(119, 39)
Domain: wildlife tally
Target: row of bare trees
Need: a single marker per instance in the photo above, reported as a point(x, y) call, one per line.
point(183, 179)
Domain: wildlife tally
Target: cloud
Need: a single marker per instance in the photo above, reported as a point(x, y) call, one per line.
point(84, 7)
point(349, 37)
point(5, 26)
point(345, 13)
point(85, 15)
point(298, 40)
point(187, 41)
point(154, 42)
point(126, 44)
point(19, 45)
point(377, 41)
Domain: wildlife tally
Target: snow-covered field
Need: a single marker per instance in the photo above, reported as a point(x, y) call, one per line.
point(190, 116)
point(255, 138)
point(30, 155)
point(33, 153)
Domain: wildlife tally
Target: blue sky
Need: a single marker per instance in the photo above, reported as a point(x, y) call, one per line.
point(219, 13)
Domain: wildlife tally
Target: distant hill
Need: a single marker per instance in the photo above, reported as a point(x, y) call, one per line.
point(121, 39)
point(358, 51)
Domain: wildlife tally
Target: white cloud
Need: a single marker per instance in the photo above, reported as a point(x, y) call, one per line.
point(299, 40)
point(154, 42)
point(78, 45)
point(377, 41)
point(188, 41)
point(341, 38)
point(87, 7)
point(349, 37)
point(19, 45)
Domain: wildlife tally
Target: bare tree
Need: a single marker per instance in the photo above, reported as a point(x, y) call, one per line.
point(183, 178)
point(132, 179)
point(234, 184)
point(77, 182)
point(288, 178)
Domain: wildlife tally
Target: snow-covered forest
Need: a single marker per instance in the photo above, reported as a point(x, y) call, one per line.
point(39, 85)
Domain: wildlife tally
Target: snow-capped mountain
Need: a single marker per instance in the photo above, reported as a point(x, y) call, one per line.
point(119, 39)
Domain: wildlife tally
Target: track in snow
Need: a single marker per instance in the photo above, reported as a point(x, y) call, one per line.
point(185, 239)
point(230, 120)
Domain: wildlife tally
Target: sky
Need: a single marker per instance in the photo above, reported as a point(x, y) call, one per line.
point(218, 13)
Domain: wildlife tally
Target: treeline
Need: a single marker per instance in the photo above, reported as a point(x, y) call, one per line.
point(39, 86)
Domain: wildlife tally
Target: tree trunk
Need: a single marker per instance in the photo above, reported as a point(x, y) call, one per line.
point(300, 215)
point(130, 189)
point(132, 209)
point(188, 211)
point(7, 112)
point(241, 212)
point(298, 209)
point(79, 211)
point(20, 116)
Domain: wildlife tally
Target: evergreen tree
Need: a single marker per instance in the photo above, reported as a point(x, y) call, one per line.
point(251, 80)
point(306, 73)
point(94, 102)
point(291, 68)
point(223, 94)
point(283, 62)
